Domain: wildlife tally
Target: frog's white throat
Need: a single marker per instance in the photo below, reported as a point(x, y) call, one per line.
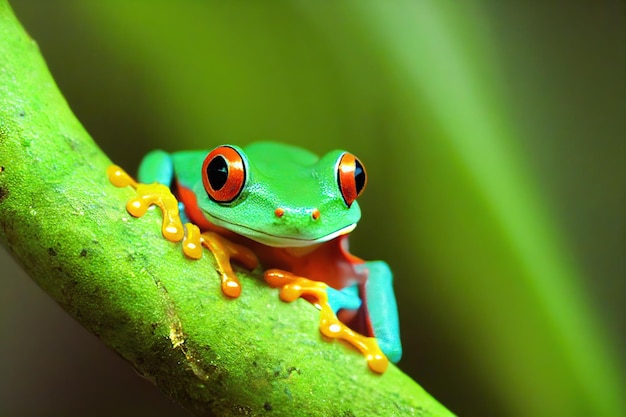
point(277, 241)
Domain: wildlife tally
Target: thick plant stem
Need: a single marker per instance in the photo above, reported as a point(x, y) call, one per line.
point(165, 314)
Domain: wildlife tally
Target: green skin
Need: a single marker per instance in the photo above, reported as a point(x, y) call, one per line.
point(299, 182)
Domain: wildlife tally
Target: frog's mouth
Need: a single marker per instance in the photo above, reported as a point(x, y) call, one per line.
point(277, 241)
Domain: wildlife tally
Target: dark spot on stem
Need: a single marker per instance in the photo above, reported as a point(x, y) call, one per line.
point(242, 410)
point(267, 406)
point(293, 369)
point(286, 372)
point(52, 252)
point(3, 193)
point(83, 253)
point(22, 113)
point(73, 143)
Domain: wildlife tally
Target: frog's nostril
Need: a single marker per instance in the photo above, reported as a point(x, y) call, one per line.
point(279, 212)
point(315, 214)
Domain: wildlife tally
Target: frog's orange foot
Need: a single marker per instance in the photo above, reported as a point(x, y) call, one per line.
point(292, 287)
point(224, 250)
point(192, 242)
point(147, 195)
point(174, 231)
point(118, 177)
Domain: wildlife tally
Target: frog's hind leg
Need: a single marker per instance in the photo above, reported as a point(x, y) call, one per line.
point(293, 287)
point(346, 300)
point(382, 309)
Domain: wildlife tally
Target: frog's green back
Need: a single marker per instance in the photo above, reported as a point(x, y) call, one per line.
point(188, 166)
point(276, 158)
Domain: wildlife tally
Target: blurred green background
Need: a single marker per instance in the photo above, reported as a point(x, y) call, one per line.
point(494, 138)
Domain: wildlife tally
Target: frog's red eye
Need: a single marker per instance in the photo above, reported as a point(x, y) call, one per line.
point(223, 174)
point(351, 177)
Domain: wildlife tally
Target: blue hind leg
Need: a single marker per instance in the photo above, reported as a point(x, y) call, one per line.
point(346, 298)
point(382, 308)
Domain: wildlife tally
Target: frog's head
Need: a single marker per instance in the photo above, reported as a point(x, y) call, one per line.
point(281, 195)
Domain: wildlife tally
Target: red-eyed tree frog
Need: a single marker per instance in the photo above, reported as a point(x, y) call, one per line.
point(291, 210)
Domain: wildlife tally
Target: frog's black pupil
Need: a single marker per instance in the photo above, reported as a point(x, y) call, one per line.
point(359, 176)
point(217, 172)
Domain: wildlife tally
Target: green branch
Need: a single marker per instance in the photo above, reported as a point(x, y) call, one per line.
point(165, 314)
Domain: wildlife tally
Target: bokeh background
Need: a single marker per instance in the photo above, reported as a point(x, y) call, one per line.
point(494, 137)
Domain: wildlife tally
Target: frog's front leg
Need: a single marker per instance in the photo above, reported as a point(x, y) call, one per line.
point(224, 250)
point(293, 287)
point(147, 195)
point(174, 231)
